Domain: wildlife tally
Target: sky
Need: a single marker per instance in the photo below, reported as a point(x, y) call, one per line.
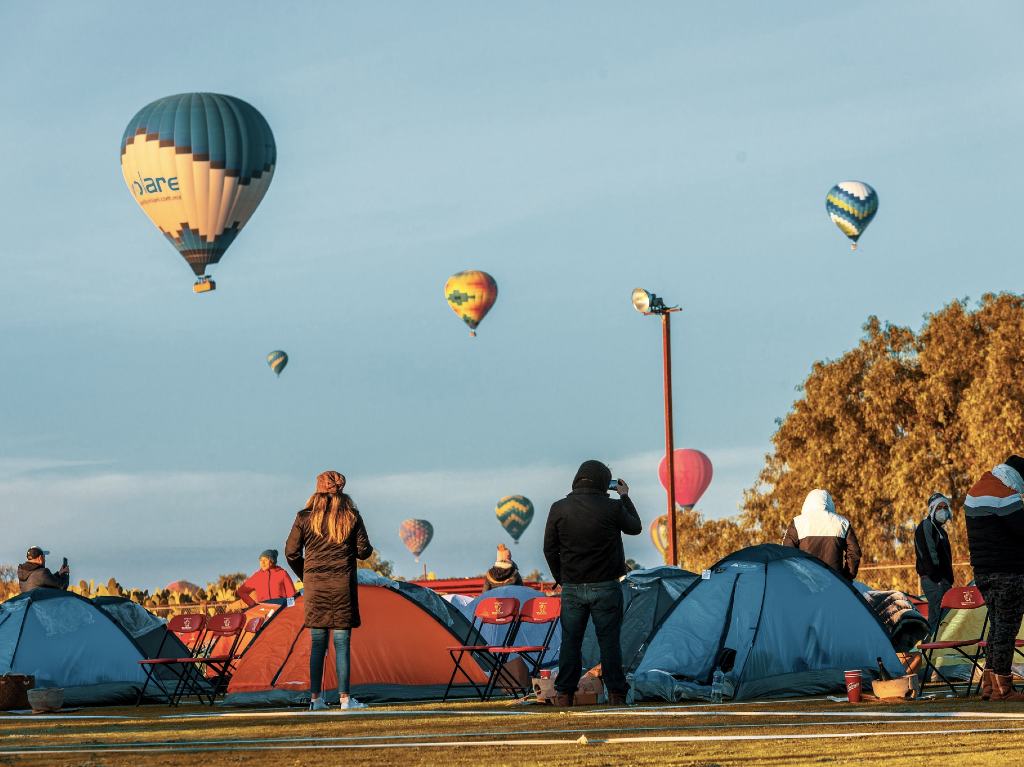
point(573, 150)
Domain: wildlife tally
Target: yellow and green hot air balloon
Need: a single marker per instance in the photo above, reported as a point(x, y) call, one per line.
point(277, 360)
point(198, 164)
point(514, 512)
point(471, 294)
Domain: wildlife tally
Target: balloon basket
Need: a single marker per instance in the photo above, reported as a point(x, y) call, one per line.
point(204, 285)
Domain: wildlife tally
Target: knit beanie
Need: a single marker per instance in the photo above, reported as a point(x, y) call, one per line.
point(270, 554)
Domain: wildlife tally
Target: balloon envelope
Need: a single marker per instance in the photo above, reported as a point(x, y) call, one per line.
point(851, 205)
point(416, 535)
point(659, 534)
point(277, 361)
point(693, 472)
point(471, 295)
point(515, 513)
point(198, 164)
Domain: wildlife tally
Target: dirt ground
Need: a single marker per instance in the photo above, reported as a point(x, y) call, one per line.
point(774, 733)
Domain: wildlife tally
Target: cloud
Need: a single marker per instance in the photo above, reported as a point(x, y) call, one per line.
point(148, 528)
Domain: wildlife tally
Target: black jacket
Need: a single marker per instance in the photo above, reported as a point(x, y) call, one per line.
point(328, 572)
point(934, 555)
point(583, 536)
point(35, 576)
point(502, 576)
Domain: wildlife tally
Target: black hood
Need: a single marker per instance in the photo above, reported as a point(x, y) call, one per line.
point(592, 475)
point(25, 569)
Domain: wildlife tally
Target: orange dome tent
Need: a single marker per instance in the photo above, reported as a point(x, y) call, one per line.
point(398, 653)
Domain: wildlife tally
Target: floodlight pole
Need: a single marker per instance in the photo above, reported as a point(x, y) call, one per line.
point(666, 351)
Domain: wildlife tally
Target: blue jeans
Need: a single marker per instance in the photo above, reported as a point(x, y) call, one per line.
point(602, 603)
point(318, 652)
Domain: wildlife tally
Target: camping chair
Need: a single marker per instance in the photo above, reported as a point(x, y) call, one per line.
point(210, 685)
point(190, 630)
point(957, 598)
point(539, 610)
point(492, 611)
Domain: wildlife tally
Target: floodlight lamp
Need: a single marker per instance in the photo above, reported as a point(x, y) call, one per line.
point(642, 300)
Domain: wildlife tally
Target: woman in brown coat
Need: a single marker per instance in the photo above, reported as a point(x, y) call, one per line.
point(326, 539)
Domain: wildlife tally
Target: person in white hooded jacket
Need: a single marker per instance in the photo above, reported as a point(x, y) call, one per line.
point(821, 532)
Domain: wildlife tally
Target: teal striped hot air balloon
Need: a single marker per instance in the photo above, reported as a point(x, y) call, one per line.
point(198, 164)
point(515, 513)
point(851, 205)
point(277, 360)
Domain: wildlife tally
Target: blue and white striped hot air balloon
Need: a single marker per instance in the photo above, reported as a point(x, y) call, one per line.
point(851, 205)
point(198, 164)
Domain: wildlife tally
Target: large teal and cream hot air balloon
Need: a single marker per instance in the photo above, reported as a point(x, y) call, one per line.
point(198, 164)
point(514, 512)
point(277, 361)
point(851, 205)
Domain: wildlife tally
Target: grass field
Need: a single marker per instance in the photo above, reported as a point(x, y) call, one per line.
point(779, 733)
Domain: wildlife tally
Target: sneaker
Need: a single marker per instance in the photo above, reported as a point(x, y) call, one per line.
point(351, 703)
point(319, 704)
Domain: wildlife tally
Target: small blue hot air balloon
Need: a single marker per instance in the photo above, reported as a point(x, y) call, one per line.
point(277, 360)
point(851, 205)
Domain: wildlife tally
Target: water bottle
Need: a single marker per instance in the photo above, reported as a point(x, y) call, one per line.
point(716, 686)
point(883, 672)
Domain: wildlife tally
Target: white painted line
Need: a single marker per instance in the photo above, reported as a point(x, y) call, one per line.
point(866, 714)
point(261, 714)
point(798, 736)
point(156, 745)
point(533, 742)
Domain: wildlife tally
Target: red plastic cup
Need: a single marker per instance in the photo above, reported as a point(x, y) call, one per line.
point(545, 673)
point(852, 686)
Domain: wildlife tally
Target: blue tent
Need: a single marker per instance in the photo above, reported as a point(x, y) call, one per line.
point(647, 595)
point(778, 622)
point(65, 640)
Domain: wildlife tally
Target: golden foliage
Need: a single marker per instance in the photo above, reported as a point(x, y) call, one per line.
point(900, 416)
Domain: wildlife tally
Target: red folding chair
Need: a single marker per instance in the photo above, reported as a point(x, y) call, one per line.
point(957, 598)
point(492, 611)
point(205, 675)
point(539, 610)
point(190, 631)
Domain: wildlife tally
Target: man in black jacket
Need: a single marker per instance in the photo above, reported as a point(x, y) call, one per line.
point(583, 548)
point(934, 555)
point(33, 572)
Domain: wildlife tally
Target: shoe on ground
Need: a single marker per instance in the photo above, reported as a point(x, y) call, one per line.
point(1002, 689)
point(350, 704)
point(562, 699)
point(318, 704)
point(617, 699)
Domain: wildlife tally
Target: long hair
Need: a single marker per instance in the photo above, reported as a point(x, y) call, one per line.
point(332, 516)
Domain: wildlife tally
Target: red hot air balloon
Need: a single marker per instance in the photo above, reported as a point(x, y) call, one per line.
point(693, 475)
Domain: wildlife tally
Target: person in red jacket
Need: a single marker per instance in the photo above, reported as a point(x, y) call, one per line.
point(269, 582)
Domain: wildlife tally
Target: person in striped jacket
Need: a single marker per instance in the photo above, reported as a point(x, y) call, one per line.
point(995, 535)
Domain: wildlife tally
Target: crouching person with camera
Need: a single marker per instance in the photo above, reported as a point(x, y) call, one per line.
point(583, 548)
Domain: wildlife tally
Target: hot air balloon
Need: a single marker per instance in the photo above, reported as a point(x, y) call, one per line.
point(851, 205)
point(514, 512)
point(659, 535)
point(198, 164)
point(471, 295)
point(693, 472)
point(416, 535)
point(277, 361)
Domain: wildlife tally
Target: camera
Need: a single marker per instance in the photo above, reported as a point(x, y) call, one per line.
point(613, 485)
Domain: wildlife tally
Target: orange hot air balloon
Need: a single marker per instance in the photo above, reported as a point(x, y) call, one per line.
point(659, 535)
point(471, 294)
point(693, 472)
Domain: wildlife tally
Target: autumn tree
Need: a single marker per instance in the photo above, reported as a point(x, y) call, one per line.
point(896, 418)
point(378, 565)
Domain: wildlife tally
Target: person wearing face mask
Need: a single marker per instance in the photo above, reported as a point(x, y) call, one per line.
point(934, 555)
